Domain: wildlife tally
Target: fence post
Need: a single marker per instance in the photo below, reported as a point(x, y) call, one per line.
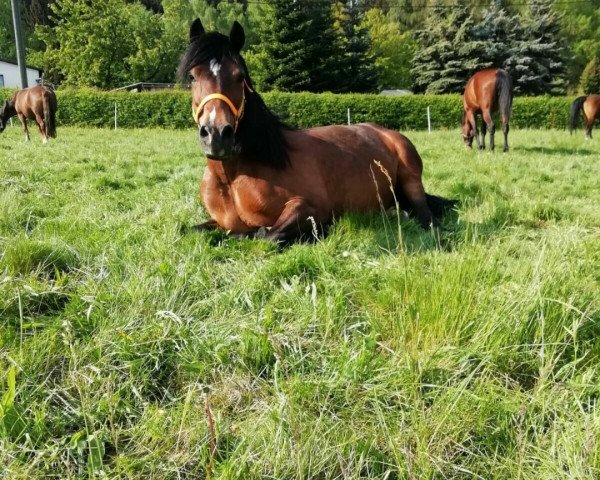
point(428, 120)
point(349, 117)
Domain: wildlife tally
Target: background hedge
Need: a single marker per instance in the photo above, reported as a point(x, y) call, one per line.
point(173, 109)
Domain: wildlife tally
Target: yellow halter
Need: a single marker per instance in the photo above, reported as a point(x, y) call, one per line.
point(238, 113)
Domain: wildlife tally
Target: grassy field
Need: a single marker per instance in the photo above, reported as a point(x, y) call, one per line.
point(375, 353)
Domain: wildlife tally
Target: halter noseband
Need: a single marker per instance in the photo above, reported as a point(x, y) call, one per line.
point(238, 113)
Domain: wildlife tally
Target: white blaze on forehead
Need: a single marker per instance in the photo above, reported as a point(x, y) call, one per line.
point(215, 67)
point(213, 115)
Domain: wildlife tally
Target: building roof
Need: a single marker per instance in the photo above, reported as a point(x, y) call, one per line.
point(395, 92)
point(5, 60)
point(140, 86)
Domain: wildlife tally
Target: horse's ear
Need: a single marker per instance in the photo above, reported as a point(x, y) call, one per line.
point(237, 37)
point(196, 30)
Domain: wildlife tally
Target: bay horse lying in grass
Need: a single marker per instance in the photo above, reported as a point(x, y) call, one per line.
point(35, 103)
point(590, 105)
point(487, 91)
point(265, 179)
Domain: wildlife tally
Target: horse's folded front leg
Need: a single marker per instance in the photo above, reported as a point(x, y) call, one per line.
point(208, 225)
point(297, 218)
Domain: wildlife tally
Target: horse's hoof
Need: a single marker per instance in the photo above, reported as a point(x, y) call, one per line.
point(261, 233)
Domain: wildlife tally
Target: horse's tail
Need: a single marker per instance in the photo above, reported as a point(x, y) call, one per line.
point(439, 205)
point(575, 109)
point(504, 87)
point(49, 103)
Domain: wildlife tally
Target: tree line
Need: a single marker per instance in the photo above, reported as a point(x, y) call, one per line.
point(428, 46)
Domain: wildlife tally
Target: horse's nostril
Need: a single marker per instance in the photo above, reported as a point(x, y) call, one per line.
point(227, 132)
point(203, 132)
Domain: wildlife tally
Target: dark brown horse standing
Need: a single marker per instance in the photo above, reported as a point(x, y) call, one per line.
point(263, 178)
point(590, 106)
point(487, 91)
point(35, 103)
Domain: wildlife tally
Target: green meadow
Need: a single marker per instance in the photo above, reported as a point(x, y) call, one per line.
point(378, 352)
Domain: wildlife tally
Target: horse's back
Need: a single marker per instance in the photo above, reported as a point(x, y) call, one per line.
point(362, 143)
point(30, 101)
point(356, 164)
point(481, 89)
point(591, 106)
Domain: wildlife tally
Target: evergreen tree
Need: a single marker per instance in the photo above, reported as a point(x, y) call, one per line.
point(449, 52)
point(282, 48)
point(299, 48)
point(323, 45)
point(498, 30)
point(529, 50)
point(590, 78)
point(357, 64)
point(542, 32)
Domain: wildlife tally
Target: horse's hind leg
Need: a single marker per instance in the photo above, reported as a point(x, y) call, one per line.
point(43, 128)
point(23, 120)
point(505, 129)
point(588, 129)
point(412, 191)
point(487, 118)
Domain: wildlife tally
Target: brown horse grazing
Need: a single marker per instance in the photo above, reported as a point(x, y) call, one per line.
point(486, 91)
point(590, 105)
point(265, 179)
point(36, 103)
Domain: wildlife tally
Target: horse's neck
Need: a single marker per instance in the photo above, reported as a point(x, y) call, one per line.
point(9, 111)
point(226, 171)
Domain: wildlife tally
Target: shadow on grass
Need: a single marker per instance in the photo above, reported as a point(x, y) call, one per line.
point(384, 232)
point(560, 151)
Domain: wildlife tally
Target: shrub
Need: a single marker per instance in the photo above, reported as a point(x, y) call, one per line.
point(590, 78)
point(172, 109)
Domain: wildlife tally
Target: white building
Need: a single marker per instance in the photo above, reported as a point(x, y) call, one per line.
point(11, 78)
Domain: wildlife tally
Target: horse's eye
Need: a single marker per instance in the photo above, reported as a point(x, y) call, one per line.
point(190, 77)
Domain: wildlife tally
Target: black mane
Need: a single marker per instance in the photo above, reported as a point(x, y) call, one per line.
point(259, 136)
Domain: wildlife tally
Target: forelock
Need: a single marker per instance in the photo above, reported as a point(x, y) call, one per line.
point(212, 46)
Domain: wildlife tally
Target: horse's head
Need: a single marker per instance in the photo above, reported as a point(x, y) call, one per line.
point(3, 116)
point(219, 86)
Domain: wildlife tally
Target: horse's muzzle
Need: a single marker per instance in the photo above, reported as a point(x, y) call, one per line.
point(216, 142)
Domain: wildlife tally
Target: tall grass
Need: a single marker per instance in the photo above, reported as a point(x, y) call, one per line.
point(365, 355)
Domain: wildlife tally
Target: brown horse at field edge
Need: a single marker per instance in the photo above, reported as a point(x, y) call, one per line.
point(35, 103)
point(590, 106)
point(486, 91)
point(265, 179)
